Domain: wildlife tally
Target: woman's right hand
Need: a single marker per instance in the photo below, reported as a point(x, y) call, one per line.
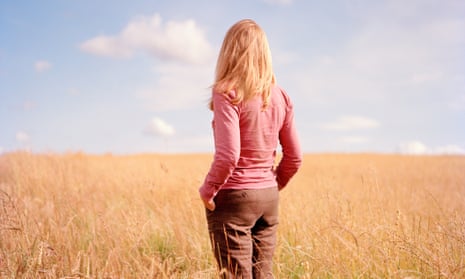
point(209, 204)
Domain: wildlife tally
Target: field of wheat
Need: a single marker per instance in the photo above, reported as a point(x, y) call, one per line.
point(139, 216)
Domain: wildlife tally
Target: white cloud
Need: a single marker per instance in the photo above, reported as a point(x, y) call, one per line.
point(107, 46)
point(419, 148)
point(349, 123)
point(278, 2)
point(175, 85)
point(408, 54)
point(178, 87)
point(413, 147)
point(42, 66)
point(173, 41)
point(386, 57)
point(183, 144)
point(158, 127)
point(74, 91)
point(1, 149)
point(283, 59)
point(424, 77)
point(450, 149)
point(354, 139)
point(459, 103)
point(28, 105)
point(387, 65)
point(22, 137)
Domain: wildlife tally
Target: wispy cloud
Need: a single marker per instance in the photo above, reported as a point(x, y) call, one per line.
point(158, 127)
point(74, 91)
point(425, 77)
point(413, 147)
point(416, 147)
point(278, 2)
point(384, 54)
point(173, 40)
point(107, 46)
point(22, 137)
point(42, 66)
point(350, 123)
point(354, 139)
point(458, 103)
point(28, 105)
point(450, 149)
point(177, 87)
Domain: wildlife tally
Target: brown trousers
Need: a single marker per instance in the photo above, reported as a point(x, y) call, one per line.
point(243, 232)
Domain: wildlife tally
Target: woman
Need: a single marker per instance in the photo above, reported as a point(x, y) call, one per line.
point(251, 115)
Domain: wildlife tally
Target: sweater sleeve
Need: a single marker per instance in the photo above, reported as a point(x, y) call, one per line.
point(227, 145)
point(292, 154)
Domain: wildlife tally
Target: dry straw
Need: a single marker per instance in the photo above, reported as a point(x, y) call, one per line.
point(343, 216)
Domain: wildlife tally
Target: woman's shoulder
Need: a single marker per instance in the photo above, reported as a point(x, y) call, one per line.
point(281, 94)
point(221, 93)
point(223, 100)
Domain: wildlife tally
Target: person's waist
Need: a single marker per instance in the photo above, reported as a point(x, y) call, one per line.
point(252, 177)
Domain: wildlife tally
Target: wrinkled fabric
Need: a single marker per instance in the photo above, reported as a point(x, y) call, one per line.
point(246, 138)
point(243, 232)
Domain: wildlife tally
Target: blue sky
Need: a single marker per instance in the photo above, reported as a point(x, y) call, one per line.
point(133, 76)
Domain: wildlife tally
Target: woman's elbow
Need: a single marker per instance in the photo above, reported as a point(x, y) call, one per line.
point(227, 161)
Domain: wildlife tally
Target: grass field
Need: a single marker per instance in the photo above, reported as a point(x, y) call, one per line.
point(139, 216)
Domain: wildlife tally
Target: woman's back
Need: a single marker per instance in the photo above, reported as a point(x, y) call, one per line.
point(259, 131)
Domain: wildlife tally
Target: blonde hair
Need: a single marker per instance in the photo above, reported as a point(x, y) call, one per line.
point(244, 64)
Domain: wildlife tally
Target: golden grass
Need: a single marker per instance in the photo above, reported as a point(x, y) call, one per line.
point(139, 216)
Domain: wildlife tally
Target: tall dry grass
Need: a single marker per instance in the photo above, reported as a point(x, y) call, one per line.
point(343, 216)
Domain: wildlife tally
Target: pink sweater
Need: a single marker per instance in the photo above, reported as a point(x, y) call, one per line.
point(246, 138)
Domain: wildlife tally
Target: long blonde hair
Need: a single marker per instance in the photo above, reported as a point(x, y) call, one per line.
point(244, 64)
